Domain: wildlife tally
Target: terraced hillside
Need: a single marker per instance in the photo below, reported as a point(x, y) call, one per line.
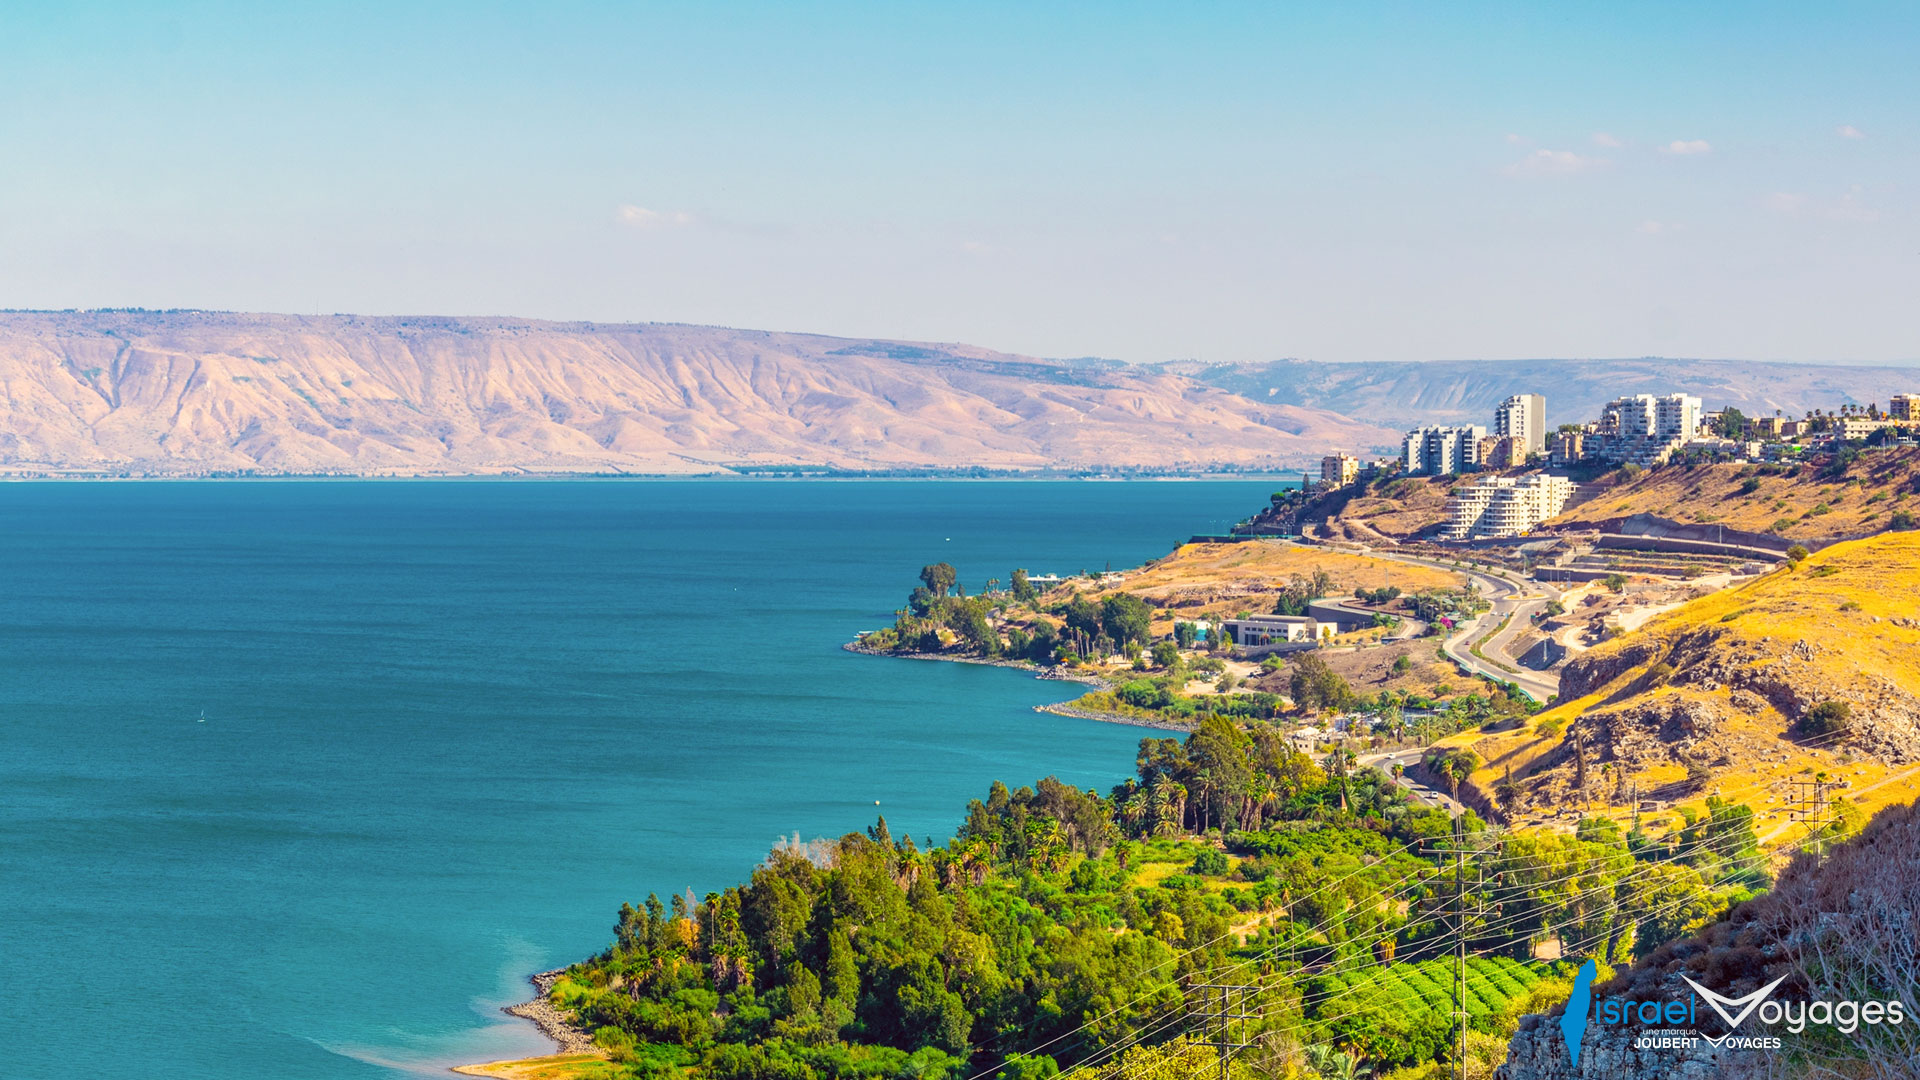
point(1806, 673)
point(1811, 502)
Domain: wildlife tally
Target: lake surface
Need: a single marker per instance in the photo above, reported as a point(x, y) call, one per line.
point(301, 780)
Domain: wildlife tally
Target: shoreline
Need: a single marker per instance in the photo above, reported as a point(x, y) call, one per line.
point(1067, 709)
point(1038, 672)
point(567, 1036)
point(1062, 708)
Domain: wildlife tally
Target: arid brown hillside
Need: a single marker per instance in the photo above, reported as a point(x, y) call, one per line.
point(193, 392)
point(1800, 502)
point(1719, 696)
point(1218, 580)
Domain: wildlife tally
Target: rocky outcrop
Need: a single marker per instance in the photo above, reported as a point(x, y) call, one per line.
point(1539, 1052)
point(554, 1024)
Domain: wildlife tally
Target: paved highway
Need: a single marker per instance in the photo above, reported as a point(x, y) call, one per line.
point(1511, 597)
point(1426, 796)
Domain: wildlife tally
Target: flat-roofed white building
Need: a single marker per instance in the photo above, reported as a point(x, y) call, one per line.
point(1643, 429)
point(1495, 506)
point(1523, 417)
point(1265, 631)
point(1441, 451)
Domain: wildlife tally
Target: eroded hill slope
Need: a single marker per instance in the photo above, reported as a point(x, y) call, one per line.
point(192, 392)
point(1725, 695)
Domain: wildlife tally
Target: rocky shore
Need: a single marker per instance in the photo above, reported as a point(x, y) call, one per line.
point(552, 1023)
point(1068, 709)
point(1038, 672)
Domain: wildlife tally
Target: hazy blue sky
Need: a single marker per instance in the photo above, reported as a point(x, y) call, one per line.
point(1220, 182)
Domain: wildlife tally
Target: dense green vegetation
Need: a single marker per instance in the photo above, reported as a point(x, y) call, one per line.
point(1402, 1013)
point(1060, 923)
point(1071, 629)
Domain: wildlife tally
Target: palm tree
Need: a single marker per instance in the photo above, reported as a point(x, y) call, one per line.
point(1178, 794)
point(1260, 795)
point(1334, 1064)
point(1134, 811)
point(1456, 767)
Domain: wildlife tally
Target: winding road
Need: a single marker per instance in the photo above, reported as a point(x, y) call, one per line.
point(1514, 601)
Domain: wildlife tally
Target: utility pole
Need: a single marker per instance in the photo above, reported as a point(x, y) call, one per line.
point(1459, 852)
point(1810, 805)
point(1232, 1006)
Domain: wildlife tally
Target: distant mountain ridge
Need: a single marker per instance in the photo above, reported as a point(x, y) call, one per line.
point(1464, 391)
point(193, 392)
point(189, 392)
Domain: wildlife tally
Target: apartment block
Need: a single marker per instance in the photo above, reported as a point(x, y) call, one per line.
point(1849, 428)
point(1644, 429)
point(1494, 506)
point(1441, 451)
point(1523, 417)
point(1568, 447)
point(1339, 470)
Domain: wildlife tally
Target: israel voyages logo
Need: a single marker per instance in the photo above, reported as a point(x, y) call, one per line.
point(1673, 1024)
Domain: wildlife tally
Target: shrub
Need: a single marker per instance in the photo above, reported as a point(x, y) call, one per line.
point(1209, 864)
point(1828, 717)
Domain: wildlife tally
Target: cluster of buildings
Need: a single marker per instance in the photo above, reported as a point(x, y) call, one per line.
point(1648, 430)
point(1519, 435)
point(1637, 429)
point(1641, 429)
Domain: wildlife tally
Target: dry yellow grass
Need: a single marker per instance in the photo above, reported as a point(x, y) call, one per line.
point(1844, 625)
point(1262, 564)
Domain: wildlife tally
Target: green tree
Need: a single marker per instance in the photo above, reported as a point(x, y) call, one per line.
point(1023, 590)
point(1455, 766)
point(939, 578)
point(1082, 615)
point(1315, 687)
point(1126, 618)
point(968, 618)
point(1024, 1067)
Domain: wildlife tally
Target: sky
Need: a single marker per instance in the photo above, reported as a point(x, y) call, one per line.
point(1216, 182)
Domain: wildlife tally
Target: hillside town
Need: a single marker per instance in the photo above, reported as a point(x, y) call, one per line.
point(1519, 474)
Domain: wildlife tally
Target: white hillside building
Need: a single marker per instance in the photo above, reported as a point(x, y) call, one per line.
point(1505, 505)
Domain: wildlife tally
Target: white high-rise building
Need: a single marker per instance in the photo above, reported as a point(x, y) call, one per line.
point(1523, 417)
point(1644, 429)
point(1441, 451)
point(1505, 505)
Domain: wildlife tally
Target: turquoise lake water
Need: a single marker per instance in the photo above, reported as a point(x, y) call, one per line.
point(449, 727)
